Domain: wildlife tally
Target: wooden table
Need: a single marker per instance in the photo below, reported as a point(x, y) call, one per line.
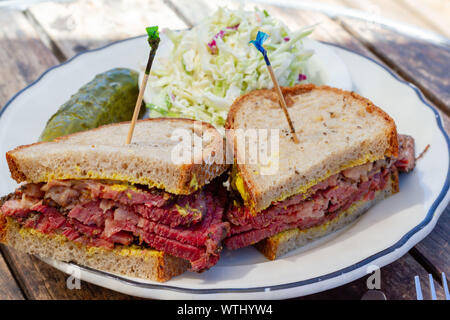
point(46, 34)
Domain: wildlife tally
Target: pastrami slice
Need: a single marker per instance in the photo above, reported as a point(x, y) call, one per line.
point(103, 214)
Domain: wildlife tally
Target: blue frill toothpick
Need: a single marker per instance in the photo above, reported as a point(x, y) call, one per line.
point(258, 43)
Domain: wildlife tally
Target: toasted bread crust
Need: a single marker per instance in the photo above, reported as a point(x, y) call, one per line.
point(202, 173)
point(253, 191)
point(162, 119)
point(16, 174)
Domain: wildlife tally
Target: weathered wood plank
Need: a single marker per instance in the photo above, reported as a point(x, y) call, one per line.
point(436, 12)
point(397, 283)
point(9, 288)
point(42, 282)
point(427, 14)
point(426, 65)
point(434, 249)
point(81, 25)
point(23, 56)
point(326, 29)
point(397, 11)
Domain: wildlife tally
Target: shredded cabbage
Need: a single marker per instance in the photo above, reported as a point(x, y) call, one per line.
point(212, 64)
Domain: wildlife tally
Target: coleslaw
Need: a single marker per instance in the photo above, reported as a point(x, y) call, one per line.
point(207, 67)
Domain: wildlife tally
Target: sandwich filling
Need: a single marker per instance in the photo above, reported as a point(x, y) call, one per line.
point(100, 213)
point(321, 203)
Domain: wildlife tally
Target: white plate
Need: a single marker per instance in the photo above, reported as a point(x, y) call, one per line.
point(379, 237)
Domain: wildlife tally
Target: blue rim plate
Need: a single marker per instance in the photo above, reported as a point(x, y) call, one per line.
point(403, 219)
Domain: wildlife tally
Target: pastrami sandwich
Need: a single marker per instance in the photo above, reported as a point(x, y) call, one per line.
point(348, 158)
point(129, 209)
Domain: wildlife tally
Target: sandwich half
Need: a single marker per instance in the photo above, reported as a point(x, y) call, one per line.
point(130, 209)
point(348, 158)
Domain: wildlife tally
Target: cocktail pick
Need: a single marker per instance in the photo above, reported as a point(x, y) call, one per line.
point(258, 43)
point(153, 41)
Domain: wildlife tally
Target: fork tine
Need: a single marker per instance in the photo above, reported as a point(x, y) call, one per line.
point(418, 288)
point(444, 283)
point(432, 289)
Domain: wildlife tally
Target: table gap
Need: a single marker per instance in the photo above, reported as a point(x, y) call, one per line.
point(178, 12)
point(44, 36)
point(426, 264)
point(393, 67)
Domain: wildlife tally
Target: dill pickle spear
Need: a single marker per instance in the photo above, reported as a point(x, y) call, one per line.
point(109, 98)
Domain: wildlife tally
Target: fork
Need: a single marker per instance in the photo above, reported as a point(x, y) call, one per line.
point(432, 289)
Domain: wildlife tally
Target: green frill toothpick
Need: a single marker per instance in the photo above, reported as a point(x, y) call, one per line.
point(153, 40)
